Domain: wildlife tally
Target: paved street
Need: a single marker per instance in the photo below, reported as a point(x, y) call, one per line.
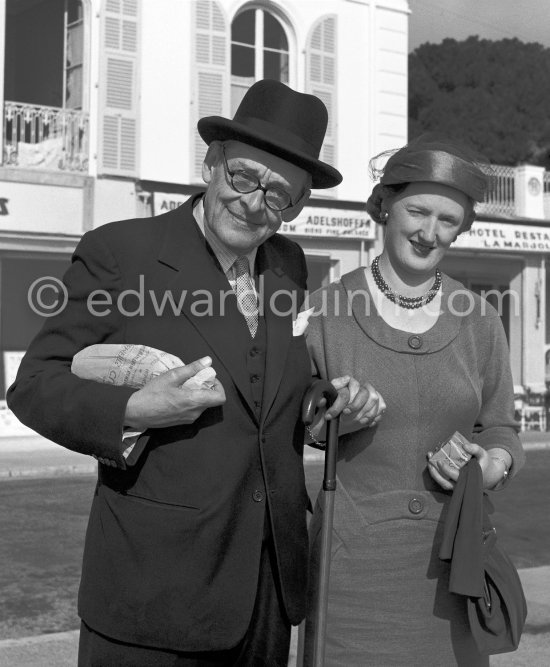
point(33, 457)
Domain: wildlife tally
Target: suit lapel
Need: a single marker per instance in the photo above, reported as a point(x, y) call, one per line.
point(276, 294)
point(196, 272)
point(210, 304)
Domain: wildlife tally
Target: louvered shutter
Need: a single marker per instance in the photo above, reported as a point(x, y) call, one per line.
point(118, 132)
point(321, 78)
point(211, 58)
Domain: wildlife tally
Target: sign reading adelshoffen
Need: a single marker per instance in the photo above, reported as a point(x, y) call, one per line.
point(317, 222)
point(500, 237)
point(330, 223)
point(164, 202)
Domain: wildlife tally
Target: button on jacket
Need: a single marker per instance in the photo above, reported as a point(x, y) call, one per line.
point(174, 541)
point(389, 601)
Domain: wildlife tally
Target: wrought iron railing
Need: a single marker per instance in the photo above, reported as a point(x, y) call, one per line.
point(500, 196)
point(40, 137)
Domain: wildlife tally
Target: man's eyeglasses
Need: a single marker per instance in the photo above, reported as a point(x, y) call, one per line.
point(245, 183)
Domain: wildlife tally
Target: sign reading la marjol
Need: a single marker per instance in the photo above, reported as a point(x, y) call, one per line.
point(499, 236)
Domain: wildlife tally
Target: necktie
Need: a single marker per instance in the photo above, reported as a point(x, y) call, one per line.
point(246, 294)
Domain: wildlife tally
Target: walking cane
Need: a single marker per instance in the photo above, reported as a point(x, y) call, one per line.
point(323, 389)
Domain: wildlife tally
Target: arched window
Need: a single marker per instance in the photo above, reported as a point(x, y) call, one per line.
point(259, 50)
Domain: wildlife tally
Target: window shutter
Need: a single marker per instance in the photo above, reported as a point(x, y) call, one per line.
point(321, 78)
point(118, 131)
point(211, 60)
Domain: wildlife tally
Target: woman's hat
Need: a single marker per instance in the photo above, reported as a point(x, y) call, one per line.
point(432, 160)
point(281, 121)
point(436, 162)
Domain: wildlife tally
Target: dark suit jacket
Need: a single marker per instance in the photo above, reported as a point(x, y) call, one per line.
point(173, 543)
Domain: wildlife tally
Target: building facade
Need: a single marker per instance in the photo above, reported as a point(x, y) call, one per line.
point(101, 99)
point(504, 257)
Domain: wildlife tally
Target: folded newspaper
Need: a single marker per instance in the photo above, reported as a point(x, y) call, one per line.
point(131, 365)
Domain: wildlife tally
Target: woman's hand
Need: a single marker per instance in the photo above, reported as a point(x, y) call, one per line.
point(494, 464)
point(359, 405)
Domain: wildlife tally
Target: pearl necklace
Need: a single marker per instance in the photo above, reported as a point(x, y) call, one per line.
point(409, 302)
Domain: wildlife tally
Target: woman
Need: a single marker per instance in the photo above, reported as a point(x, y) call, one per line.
point(438, 356)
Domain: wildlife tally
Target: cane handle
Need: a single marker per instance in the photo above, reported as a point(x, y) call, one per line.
point(318, 390)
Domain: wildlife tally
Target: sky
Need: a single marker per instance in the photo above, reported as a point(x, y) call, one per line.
point(433, 20)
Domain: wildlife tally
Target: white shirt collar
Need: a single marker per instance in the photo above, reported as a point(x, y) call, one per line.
point(225, 257)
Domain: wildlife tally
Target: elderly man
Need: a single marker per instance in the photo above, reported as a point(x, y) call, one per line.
point(196, 550)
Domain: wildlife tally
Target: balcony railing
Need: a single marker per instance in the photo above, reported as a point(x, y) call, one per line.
point(39, 137)
point(500, 197)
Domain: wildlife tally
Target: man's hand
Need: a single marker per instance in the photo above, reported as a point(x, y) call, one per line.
point(166, 401)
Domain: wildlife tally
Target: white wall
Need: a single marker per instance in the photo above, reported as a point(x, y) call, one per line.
point(391, 79)
point(165, 90)
point(371, 81)
point(92, 56)
point(114, 200)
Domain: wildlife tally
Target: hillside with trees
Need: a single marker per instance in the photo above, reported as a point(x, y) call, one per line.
point(493, 95)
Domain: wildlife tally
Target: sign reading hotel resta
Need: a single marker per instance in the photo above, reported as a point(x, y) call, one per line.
point(505, 237)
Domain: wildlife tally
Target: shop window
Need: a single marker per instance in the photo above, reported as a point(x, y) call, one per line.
point(20, 321)
point(259, 50)
point(499, 297)
point(318, 272)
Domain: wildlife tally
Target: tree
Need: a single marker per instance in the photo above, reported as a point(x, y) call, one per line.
point(494, 96)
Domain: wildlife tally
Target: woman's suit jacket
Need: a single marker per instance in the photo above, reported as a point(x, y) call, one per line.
point(173, 543)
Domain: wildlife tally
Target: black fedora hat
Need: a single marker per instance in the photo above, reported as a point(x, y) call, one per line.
point(281, 121)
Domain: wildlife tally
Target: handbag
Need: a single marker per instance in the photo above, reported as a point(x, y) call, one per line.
point(481, 571)
point(498, 617)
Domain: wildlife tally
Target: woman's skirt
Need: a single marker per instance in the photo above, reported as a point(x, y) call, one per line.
point(389, 604)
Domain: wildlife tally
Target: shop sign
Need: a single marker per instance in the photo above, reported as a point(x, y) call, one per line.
point(315, 222)
point(330, 223)
point(503, 237)
point(164, 202)
point(27, 207)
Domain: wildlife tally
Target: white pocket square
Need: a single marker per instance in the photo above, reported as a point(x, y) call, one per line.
point(300, 323)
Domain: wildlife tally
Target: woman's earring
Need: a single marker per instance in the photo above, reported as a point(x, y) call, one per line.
point(383, 216)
